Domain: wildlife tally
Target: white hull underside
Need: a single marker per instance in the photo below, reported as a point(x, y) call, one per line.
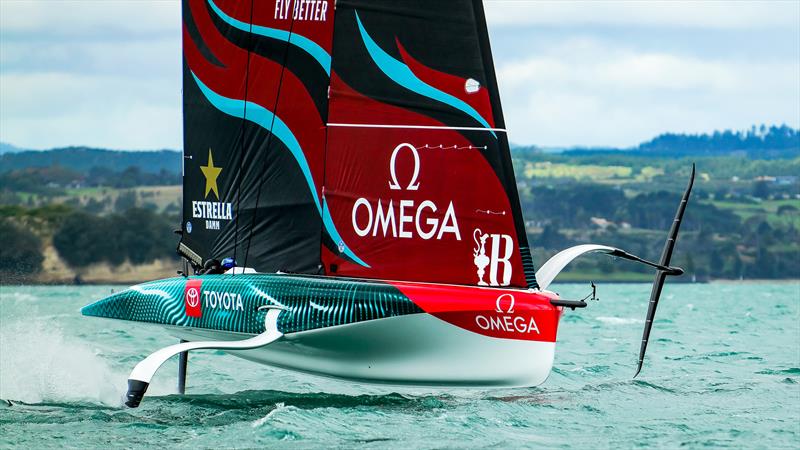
point(416, 350)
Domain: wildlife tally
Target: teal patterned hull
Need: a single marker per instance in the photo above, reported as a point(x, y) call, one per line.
point(427, 335)
point(231, 302)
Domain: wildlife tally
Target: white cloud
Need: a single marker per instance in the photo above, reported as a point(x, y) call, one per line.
point(89, 18)
point(594, 65)
point(671, 13)
point(56, 109)
point(107, 73)
point(100, 73)
point(584, 92)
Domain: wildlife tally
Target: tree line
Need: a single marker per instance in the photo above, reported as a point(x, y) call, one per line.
point(53, 180)
point(136, 235)
point(758, 142)
point(714, 242)
point(755, 139)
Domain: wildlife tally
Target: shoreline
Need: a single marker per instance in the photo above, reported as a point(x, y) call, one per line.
point(66, 283)
point(57, 273)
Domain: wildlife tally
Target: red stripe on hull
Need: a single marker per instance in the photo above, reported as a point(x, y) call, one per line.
point(499, 313)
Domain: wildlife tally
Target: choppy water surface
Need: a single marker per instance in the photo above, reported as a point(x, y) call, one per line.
point(723, 369)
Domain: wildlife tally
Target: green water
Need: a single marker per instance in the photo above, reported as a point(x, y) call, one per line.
point(723, 369)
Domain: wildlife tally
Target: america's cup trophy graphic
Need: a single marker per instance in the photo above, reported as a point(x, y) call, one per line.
point(480, 260)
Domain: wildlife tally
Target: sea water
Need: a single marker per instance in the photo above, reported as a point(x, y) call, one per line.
point(723, 369)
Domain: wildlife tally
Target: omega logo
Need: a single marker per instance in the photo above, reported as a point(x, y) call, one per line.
point(510, 305)
point(505, 321)
point(404, 218)
point(413, 185)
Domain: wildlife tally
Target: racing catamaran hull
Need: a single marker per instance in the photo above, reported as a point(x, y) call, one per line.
point(397, 333)
point(414, 350)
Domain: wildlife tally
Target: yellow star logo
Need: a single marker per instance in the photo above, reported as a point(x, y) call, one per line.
point(211, 173)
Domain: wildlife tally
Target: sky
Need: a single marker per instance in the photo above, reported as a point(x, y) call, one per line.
point(106, 73)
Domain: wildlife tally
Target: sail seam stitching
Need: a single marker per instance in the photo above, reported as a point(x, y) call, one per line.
point(242, 134)
point(269, 136)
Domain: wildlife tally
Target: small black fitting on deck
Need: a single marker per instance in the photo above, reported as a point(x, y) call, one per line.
point(568, 303)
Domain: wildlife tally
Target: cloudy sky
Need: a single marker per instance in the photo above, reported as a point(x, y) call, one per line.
point(106, 73)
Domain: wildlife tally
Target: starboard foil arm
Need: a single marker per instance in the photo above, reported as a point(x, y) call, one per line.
point(661, 275)
point(550, 269)
point(140, 377)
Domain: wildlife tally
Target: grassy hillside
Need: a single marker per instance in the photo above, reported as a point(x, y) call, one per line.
point(100, 215)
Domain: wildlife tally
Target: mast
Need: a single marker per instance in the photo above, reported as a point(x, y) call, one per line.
point(508, 167)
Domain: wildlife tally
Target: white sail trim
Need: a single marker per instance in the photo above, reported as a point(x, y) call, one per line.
point(419, 127)
point(550, 270)
point(235, 270)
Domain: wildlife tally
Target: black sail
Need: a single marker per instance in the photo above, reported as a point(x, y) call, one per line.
point(254, 105)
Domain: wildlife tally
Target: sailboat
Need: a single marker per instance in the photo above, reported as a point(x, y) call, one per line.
point(349, 202)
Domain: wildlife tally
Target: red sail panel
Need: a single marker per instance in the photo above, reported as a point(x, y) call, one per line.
point(417, 204)
point(377, 151)
point(418, 178)
point(451, 84)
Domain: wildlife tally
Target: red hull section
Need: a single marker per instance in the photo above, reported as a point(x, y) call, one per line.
point(498, 313)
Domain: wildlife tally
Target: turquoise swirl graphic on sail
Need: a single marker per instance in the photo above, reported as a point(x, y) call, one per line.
point(404, 76)
point(302, 42)
point(265, 118)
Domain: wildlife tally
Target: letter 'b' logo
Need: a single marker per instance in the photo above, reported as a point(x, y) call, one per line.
point(191, 297)
point(495, 251)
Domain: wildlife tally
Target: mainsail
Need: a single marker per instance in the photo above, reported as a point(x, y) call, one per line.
point(356, 138)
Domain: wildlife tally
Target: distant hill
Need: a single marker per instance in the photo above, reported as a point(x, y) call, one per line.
point(756, 143)
point(82, 159)
point(8, 148)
